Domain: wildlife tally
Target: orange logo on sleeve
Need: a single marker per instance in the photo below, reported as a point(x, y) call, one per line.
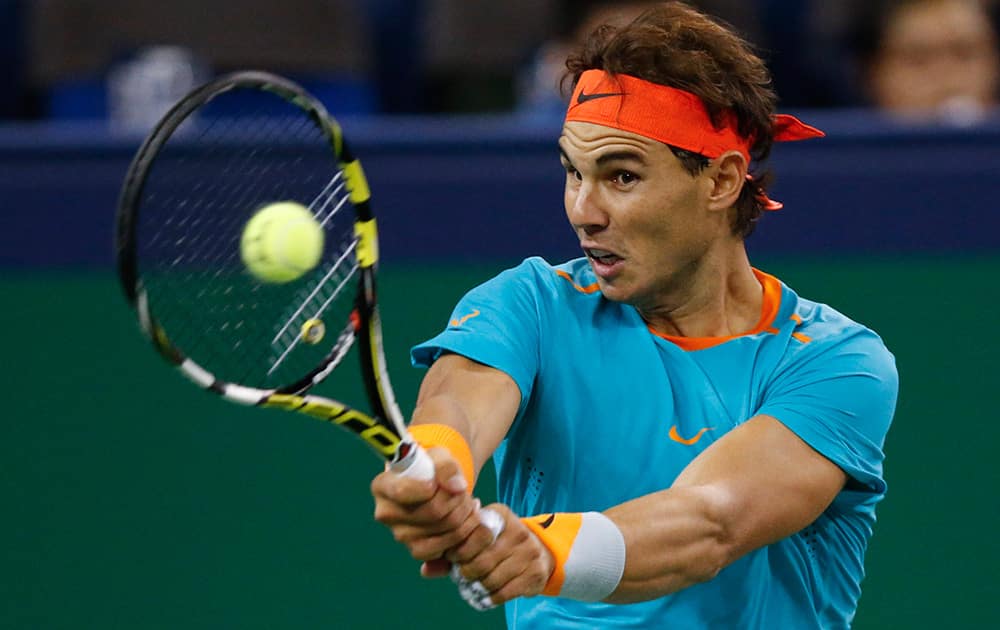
point(463, 319)
point(676, 437)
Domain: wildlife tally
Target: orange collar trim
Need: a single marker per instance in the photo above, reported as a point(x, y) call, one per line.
point(768, 312)
point(670, 115)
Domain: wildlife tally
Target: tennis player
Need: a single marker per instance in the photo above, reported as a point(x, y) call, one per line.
point(680, 439)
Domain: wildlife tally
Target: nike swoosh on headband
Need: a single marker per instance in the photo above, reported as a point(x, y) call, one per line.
point(583, 97)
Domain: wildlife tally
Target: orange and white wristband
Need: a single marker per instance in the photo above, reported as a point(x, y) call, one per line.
point(589, 553)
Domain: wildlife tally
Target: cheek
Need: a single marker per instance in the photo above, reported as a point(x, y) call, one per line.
point(571, 192)
point(676, 227)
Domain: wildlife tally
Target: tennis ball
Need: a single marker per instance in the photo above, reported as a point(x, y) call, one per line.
point(281, 241)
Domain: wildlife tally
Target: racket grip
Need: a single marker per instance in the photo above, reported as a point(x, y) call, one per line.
point(473, 592)
point(416, 464)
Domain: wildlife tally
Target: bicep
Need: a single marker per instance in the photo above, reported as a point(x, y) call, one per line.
point(772, 483)
point(479, 401)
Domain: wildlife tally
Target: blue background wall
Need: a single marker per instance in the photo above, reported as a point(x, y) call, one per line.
point(496, 184)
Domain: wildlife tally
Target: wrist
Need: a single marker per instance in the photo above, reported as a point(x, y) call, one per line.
point(430, 435)
point(588, 550)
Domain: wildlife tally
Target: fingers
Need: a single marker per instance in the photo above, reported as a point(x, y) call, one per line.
point(432, 512)
point(517, 564)
point(428, 516)
point(478, 540)
point(409, 490)
point(435, 568)
point(447, 471)
point(433, 540)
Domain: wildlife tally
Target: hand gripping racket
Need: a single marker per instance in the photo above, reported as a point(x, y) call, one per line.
point(231, 147)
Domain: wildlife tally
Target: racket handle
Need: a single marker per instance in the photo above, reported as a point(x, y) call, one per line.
point(473, 592)
point(416, 464)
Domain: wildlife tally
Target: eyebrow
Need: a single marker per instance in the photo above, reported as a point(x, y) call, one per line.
point(614, 156)
point(621, 156)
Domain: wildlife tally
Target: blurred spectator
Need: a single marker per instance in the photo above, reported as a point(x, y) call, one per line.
point(929, 60)
point(538, 90)
point(473, 47)
point(935, 58)
point(74, 45)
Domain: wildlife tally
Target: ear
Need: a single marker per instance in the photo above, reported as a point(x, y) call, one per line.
point(728, 174)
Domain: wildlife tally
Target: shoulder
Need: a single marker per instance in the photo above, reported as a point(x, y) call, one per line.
point(834, 362)
point(835, 386)
point(828, 335)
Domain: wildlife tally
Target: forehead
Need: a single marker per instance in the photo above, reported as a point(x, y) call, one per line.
point(582, 141)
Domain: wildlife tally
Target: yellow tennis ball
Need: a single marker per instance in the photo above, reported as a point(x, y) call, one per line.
point(281, 241)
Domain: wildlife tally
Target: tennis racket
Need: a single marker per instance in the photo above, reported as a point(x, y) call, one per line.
point(239, 143)
point(230, 147)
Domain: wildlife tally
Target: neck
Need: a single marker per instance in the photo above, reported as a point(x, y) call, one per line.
point(716, 296)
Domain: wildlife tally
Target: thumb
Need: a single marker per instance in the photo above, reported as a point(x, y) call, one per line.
point(447, 471)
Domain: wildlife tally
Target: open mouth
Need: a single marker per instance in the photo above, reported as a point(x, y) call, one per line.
point(602, 256)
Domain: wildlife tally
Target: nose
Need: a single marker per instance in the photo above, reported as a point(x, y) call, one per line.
point(584, 209)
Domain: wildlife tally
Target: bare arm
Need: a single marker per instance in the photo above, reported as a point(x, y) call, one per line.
point(480, 402)
point(758, 484)
point(432, 517)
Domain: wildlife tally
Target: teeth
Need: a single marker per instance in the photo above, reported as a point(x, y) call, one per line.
point(599, 253)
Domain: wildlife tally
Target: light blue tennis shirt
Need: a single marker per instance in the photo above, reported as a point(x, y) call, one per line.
point(611, 411)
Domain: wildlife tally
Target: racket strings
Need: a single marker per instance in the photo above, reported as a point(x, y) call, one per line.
point(206, 182)
point(214, 258)
point(333, 284)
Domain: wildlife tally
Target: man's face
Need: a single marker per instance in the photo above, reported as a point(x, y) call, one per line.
point(641, 217)
point(934, 55)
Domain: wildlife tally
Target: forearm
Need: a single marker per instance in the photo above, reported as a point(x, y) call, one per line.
point(477, 401)
point(673, 539)
point(756, 485)
point(753, 487)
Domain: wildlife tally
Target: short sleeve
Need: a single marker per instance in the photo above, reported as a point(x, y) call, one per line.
point(495, 324)
point(840, 398)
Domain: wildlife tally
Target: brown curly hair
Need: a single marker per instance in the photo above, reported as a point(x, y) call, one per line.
point(677, 46)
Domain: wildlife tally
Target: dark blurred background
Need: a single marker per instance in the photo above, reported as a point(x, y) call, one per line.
point(63, 58)
point(132, 500)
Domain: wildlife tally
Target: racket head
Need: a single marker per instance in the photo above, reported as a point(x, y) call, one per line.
point(232, 146)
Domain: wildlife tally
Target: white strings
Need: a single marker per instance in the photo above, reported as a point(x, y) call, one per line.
point(288, 335)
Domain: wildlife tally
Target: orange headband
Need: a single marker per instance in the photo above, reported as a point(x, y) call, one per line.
point(667, 114)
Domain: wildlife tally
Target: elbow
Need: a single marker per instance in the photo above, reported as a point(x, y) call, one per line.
point(722, 542)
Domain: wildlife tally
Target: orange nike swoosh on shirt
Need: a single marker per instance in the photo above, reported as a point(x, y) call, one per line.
point(459, 322)
point(676, 437)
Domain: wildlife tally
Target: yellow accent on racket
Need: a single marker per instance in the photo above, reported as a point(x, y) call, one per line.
point(313, 331)
point(367, 249)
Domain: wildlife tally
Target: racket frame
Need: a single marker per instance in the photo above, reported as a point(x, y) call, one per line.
point(384, 429)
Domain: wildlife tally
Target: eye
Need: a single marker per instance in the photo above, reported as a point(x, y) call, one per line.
point(624, 178)
point(572, 172)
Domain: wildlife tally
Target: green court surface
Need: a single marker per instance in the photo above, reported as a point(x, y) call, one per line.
point(133, 500)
